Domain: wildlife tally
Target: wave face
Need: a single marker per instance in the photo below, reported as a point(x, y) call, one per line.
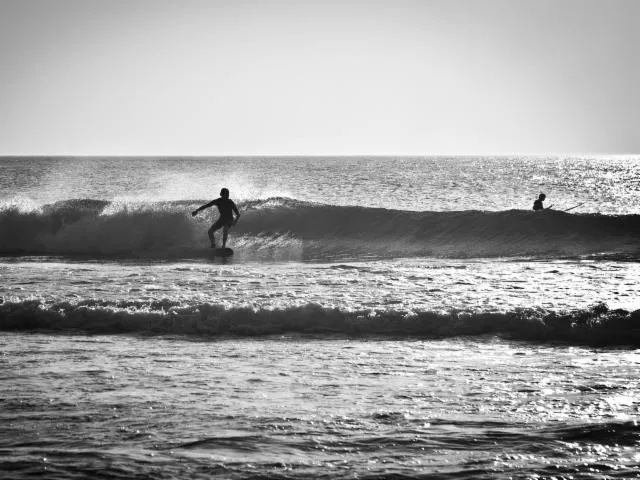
point(281, 226)
point(595, 326)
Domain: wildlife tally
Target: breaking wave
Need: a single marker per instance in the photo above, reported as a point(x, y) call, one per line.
point(596, 326)
point(303, 230)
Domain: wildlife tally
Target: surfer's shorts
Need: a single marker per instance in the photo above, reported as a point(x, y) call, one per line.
point(222, 222)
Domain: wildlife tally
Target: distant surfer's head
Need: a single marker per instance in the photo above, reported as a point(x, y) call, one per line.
point(541, 197)
point(224, 193)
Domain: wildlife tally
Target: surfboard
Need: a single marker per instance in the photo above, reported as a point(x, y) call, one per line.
point(575, 206)
point(222, 252)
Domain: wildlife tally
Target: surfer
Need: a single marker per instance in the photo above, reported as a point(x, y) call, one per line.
point(537, 205)
point(226, 208)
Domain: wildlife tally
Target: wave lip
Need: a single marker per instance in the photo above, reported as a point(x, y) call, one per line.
point(596, 326)
point(312, 230)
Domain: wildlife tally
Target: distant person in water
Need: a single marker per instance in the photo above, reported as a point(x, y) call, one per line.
point(226, 208)
point(537, 205)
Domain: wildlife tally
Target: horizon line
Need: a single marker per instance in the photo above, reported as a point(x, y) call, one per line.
point(320, 155)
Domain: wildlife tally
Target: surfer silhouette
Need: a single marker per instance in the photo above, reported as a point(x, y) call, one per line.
point(226, 209)
point(537, 205)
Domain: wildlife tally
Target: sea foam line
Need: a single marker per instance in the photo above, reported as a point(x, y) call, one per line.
point(594, 326)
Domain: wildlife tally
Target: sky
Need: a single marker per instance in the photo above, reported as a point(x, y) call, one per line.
point(298, 77)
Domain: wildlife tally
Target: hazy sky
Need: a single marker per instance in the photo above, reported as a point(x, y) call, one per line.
point(197, 77)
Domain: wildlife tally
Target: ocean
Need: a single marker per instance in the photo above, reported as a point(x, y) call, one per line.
point(382, 317)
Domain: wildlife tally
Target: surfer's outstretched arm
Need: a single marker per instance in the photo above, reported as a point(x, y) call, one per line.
point(203, 207)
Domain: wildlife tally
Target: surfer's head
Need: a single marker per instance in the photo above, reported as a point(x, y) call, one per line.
point(542, 196)
point(224, 193)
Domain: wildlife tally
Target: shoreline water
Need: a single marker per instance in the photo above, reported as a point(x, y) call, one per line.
point(294, 408)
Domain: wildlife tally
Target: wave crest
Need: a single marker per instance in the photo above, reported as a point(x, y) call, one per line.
point(595, 326)
point(308, 230)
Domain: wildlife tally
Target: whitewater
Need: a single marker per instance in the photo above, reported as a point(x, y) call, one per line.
point(381, 317)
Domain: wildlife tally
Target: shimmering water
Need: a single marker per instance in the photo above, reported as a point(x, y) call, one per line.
point(603, 184)
point(380, 317)
point(291, 407)
point(402, 284)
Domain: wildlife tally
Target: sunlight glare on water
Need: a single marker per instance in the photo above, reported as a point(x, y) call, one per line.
point(603, 184)
point(334, 407)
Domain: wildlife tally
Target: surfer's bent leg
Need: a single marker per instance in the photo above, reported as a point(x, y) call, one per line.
point(226, 225)
point(225, 234)
point(213, 228)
